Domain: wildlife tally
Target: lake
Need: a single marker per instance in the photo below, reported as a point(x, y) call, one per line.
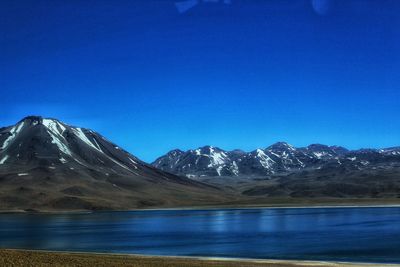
point(339, 234)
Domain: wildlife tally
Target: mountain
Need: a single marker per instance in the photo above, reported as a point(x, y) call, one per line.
point(46, 164)
point(279, 158)
point(314, 173)
point(205, 161)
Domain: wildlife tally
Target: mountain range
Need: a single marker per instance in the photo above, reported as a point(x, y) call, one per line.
point(48, 165)
point(279, 158)
point(283, 171)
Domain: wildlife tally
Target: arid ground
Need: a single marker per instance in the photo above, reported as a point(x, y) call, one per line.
point(25, 258)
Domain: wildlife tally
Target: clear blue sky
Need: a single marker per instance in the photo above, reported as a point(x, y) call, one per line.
point(152, 78)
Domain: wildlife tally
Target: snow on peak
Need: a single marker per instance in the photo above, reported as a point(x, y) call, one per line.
point(217, 157)
point(54, 126)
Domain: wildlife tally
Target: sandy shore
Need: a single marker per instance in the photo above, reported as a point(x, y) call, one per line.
point(27, 258)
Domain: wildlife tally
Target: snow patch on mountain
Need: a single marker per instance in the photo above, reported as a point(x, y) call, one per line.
point(13, 134)
point(54, 126)
point(265, 160)
point(134, 162)
point(217, 158)
point(81, 135)
point(55, 139)
point(3, 160)
point(234, 168)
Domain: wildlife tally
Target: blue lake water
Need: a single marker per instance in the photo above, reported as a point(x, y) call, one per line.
point(340, 234)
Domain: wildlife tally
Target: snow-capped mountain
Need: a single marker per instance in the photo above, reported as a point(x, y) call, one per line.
point(51, 142)
point(61, 161)
point(207, 161)
point(278, 158)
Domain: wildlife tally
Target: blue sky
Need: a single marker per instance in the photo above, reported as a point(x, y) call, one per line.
point(239, 74)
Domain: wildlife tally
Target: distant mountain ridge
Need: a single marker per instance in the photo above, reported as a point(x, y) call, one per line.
point(278, 158)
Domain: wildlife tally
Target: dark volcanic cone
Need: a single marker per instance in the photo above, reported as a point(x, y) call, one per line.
point(46, 164)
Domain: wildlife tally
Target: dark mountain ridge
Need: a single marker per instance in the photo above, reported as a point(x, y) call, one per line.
point(47, 164)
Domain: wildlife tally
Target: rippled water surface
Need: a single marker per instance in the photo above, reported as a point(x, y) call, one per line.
point(348, 234)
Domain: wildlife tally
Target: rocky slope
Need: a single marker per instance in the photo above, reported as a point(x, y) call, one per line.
point(47, 164)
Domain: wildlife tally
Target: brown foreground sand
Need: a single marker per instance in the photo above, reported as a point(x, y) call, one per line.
point(28, 258)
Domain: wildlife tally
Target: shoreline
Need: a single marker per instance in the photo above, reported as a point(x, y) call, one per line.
point(142, 260)
point(211, 207)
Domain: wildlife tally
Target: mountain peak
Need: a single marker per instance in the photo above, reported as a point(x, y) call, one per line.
point(175, 152)
point(32, 118)
point(207, 150)
point(281, 145)
point(39, 140)
point(318, 146)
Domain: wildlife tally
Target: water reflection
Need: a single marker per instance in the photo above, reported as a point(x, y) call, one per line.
point(358, 234)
